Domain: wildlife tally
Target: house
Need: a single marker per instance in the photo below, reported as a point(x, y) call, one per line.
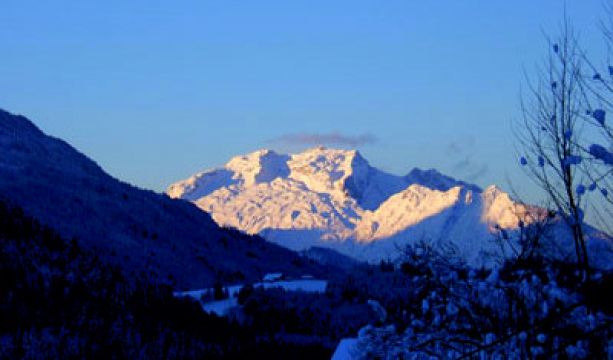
point(272, 277)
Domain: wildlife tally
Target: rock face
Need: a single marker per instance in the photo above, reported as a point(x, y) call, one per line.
point(335, 198)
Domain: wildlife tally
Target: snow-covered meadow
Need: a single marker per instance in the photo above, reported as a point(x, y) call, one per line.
point(223, 306)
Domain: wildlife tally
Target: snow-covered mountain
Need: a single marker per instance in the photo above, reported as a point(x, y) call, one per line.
point(143, 231)
point(335, 198)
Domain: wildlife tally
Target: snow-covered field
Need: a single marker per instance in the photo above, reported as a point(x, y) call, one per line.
point(221, 307)
point(344, 349)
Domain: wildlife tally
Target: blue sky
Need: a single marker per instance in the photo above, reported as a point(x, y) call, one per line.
point(155, 91)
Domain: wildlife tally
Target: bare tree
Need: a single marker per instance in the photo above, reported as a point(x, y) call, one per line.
point(597, 91)
point(550, 130)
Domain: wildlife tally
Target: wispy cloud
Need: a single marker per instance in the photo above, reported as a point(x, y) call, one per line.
point(462, 164)
point(461, 146)
point(462, 152)
point(471, 170)
point(333, 138)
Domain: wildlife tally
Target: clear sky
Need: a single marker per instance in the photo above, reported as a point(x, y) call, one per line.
point(155, 91)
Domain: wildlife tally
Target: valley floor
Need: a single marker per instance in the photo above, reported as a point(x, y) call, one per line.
point(223, 306)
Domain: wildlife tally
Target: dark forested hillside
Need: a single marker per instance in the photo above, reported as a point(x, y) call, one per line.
point(172, 240)
point(60, 301)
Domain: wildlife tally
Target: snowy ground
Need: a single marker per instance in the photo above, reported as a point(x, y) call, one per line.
point(344, 349)
point(221, 307)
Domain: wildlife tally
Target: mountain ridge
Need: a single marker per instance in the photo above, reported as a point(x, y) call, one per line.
point(329, 195)
point(334, 198)
point(140, 229)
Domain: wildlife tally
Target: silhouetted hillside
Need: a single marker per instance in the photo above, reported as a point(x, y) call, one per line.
point(59, 301)
point(142, 230)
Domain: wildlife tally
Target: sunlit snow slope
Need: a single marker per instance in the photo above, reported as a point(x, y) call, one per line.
point(334, 198)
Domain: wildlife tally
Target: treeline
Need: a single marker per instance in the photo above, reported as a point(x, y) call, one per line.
point(59, 301)
point(319, 318)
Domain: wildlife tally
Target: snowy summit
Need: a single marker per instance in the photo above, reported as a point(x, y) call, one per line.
point(335, 198)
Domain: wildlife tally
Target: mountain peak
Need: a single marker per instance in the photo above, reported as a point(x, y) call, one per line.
point(334, 198)
point(435, 180)
point(328, 170)
point(343, 174)
point(492, 189)
point(330, 152)
point(259, 166)
point(17, 124)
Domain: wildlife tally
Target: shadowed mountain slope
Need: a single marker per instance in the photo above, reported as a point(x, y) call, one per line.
point(139, 229)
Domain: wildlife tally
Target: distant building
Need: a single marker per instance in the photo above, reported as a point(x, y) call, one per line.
point(272, 277)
